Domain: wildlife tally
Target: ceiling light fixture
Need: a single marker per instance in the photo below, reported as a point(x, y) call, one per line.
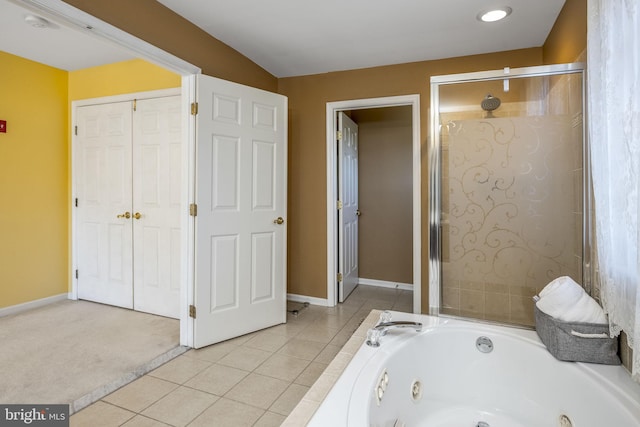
point(494, 14)
point(36, 21)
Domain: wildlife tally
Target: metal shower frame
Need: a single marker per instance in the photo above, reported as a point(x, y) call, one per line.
point(435, 168)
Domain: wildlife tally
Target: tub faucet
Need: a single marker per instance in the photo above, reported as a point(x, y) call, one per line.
point(374, 334)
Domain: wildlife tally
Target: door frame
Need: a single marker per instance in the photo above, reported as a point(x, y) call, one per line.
point(60, 12)
point(332, 186)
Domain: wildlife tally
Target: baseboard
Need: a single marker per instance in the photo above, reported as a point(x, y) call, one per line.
point(385, 284)
point(311, 300)
point(19, 308)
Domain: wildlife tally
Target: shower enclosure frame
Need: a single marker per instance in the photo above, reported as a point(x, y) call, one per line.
point(435, 168)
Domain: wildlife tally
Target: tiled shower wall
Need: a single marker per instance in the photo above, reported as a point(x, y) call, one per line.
point(512, 202)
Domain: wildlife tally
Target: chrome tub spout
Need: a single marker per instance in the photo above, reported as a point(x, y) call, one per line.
point(374, 334)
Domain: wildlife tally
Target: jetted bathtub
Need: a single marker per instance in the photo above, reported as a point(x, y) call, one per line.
point(468, 374)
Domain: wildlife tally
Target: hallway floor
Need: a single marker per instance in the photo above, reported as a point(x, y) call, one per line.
point(253, 380)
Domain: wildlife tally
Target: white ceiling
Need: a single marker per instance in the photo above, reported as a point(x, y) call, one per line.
point(296, 37)
point(57, 46)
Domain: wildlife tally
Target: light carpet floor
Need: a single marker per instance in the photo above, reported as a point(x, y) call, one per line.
point(77, 352)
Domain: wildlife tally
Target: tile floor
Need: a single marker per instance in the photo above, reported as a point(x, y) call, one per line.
point(253, 380)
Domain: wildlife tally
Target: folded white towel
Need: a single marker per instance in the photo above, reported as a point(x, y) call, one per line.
point(565, 300)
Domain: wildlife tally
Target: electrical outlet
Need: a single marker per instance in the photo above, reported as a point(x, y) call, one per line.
point(3, 126)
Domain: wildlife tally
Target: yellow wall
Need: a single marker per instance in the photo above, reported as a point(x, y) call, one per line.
point(35, 164)
point(120, 78)
point(33, 181)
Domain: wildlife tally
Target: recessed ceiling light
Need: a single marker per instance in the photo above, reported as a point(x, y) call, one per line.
point(36, 21)
point(494, 14)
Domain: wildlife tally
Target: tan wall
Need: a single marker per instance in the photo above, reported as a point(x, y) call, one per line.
point(308, 96)
point(160, 26)
point(568, 37)
point(385, 193)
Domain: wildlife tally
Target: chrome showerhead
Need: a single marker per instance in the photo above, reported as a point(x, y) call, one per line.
point(490, 103)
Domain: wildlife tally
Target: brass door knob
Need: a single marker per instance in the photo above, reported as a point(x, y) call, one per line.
point(137, 215)
point(125, 215)
point(278, 220)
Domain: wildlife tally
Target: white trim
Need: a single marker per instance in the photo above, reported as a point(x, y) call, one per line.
point(385, 284)
point(61, 12)
point(151, 94)
point(311, 300)
point(331, 128)
point(30, 305)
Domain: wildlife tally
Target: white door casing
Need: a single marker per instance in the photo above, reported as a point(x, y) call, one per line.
point(156, 208)
point(103, 198)
point(348, 213)
point(241, 181)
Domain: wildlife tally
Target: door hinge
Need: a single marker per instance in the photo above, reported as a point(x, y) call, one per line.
point(339, 204)
point(76, 202)
point(135, 105)
point(192, 311)
point(193, 209)
point(339, 277)
point(194, 108)
point(339, 135)
point(76, 273)
point(75, 130)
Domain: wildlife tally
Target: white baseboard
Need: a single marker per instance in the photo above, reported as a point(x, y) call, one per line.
point(385, 284)
point(311, 300)
point(18, 308)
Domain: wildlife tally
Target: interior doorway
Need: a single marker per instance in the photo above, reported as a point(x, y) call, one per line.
point(335, 192)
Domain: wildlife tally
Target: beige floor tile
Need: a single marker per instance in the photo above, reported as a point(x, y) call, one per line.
point(317, 333)
point(270, 419)
point(289, 330)
point(303, 349)
point(226, 412)
point(267, 341)
point(140, 421)
point(217, 379)
point(245, 358)
point(180, 407)
point(140, 394)
point(289, 399)
point(311, 374)
point(212, 353)
point(258, 390)
point(100, 414)
point(282, 367)
point(327, 354)
point(181, 369)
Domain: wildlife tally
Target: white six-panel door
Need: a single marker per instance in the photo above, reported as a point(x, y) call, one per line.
point(348, 214)
point(157, 190)
point(128, 186)
point(103, 190)
point(241, 220)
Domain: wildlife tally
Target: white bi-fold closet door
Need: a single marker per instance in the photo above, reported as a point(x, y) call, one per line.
point(128, 184)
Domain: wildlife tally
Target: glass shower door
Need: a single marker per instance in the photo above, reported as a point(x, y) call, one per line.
point(511, 184)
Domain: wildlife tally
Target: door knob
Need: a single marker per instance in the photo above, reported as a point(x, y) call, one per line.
point(278, 220)
point(137, 215)
point(358, 212)
point(125, 215)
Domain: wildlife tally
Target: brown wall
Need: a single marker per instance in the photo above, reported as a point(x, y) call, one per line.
point(308, 96)
point(160, 26)
point(385, 229)
point(568, 37)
